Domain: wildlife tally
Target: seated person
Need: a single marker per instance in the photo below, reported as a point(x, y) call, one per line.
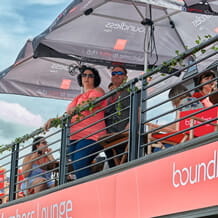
point(205, 89)
point(36, 174)
point(184, 102)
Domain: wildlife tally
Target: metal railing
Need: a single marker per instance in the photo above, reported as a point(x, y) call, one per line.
point(147, 103)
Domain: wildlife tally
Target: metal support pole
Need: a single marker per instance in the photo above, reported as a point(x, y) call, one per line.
point(143, 117)
point(133, 129)
point(13, 172)
point(64, 144)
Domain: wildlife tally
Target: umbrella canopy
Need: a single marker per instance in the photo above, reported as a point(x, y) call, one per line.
point(55, 77)
point(41, 77)
point(105, 32)
point(47, 77)
point(209, 7)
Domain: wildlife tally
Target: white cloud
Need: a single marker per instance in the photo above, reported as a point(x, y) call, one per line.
point(12, 112)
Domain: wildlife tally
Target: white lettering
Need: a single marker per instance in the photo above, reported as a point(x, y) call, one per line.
point(23, 215)
point(199, 171)
point(196, 122)
point(200, 19)
point(55, 207)
point(187, 177)
point(212, 163)
point(195, 174)
point(124, 27)
point(60, 210)
point(195, 180)
point(174, 175)
point(69, 208)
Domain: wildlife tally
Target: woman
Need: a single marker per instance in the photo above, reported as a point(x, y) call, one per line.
point(206, 89)
point(83, 135)
point(34, 166)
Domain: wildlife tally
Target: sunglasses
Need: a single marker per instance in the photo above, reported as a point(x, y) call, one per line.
point(88, 75)
point(117, 73)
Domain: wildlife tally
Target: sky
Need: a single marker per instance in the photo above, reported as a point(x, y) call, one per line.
point(20, 21)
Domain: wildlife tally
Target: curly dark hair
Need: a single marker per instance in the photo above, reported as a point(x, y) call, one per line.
point(36, 141)
point(97, 78)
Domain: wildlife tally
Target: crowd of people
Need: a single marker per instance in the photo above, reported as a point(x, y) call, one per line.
point(101, 119)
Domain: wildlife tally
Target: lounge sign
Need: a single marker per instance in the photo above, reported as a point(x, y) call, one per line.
point(181, 182)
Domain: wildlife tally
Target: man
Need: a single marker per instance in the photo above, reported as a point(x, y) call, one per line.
point(119, 109)
point(117, 114)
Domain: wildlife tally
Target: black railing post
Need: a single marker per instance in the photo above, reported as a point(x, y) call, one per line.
point(143, 103)
point(133, 125)
point(63, 153)
point(13, 172)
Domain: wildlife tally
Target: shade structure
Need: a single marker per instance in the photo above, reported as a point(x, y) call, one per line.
point(209, 7)
point(41, 77)
point(55, 77)
point(46, 77)
point(104, 32)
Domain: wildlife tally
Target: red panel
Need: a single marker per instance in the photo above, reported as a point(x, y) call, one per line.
point(206, 115)
point(181, 182)
point(65, 84)
point(2, 178)
point(120, 44)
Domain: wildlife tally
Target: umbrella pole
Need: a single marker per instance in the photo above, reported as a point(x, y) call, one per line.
point(148, 15)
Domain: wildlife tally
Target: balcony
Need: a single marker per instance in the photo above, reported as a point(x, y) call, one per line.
point(156, 129)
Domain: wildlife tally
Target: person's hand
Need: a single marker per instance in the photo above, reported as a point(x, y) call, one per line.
point(49, 150)
point(49, 154)
point(34, 155)
point(47, 125)
point(70, 110)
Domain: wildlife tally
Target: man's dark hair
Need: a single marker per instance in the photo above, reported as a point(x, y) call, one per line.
point(97, 78)
point(120, 66)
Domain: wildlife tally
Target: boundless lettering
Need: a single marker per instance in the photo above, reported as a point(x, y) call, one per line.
point(125, 27)
point(195, 174)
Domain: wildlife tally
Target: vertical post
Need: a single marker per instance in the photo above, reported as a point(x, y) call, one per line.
point(13, 172)
point(64, 144)
point(143, 103)
point(133, 139)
